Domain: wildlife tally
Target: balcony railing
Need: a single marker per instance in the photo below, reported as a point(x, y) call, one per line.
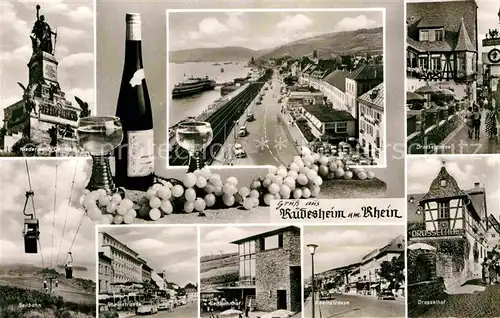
point(241, 283)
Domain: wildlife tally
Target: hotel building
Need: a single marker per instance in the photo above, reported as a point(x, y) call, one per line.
point(455, 222)
point(125, 262)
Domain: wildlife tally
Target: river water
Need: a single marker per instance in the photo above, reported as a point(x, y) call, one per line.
point(179, 109)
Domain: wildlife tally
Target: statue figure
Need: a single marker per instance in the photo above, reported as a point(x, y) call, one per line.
point(54, 89)
point(53, 136)
point(41, 36)
point(29, 98)
point(84, 106)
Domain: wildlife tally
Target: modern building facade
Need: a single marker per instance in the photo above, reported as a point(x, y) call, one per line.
point(269, 271)
point(105, 274)
point(126, 264)
point(372, 124)
point(442, 46)
point(455, 222)
point(146, 271)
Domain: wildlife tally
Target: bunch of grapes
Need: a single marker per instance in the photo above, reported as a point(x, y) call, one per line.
point(107, 209)
point(203, 189)
point(303, 178)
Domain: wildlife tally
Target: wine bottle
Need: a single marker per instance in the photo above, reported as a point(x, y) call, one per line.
point(134, 158)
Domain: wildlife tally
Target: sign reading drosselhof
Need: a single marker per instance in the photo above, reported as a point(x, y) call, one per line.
point(436, 233)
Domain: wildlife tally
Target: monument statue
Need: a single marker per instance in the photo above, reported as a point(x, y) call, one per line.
point(84, 106)
point(29, 98)
point(41, 35)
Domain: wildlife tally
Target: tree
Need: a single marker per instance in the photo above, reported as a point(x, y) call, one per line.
point(189, 285)
point(393, 271)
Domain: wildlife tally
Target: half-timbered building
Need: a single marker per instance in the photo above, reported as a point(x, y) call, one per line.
point(455, 222)
point(442, 46)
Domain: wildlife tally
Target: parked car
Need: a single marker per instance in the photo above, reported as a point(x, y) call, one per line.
point(106, 312)
point(238, 151)
point(164, 305)
point(243, 131)
point(250, 117)
point(386, 294)
point(147, 308)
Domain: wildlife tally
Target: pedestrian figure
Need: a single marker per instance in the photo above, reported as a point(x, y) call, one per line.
point(491, 123)
point(247, 310)
point(492, 274)
point(484, 270)
point(477, 121)
point(469, 121)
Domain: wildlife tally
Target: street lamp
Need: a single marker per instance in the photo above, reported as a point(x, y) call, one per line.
point(312, 250)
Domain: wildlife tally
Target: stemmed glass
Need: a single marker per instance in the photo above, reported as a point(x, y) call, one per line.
point(100, 135)
point(194, 136)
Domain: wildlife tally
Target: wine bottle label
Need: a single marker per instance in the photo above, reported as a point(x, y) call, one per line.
point(140, 153)
point(137, 78)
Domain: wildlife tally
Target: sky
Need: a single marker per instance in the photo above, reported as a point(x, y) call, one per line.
point(55, 245)
point(73, 20)
point(344, 245)
point(466, 170)
point(260, 30)
point(213, 240)
point(487, 17)
point(173, 249)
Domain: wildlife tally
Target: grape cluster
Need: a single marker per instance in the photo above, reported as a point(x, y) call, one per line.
point(107, 209)
point(203, 189)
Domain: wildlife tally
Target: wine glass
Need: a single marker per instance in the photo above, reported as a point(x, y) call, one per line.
point(100, 135)
point(194, 136)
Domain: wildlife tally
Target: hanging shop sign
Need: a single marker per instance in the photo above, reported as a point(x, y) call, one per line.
point(436, 233)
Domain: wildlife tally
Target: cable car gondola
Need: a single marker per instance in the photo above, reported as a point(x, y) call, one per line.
point(69, 266)
point(31, 231)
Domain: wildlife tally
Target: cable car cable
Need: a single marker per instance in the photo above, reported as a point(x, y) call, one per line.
point(67, 211)
point(41, 254)
point(54, 219)
point(31, 188)
point(76, 234)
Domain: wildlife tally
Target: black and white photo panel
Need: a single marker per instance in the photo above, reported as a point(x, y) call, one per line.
point(453, 233)
point(354, 271)
point(453, 58)
point(250, 271)
point(46, 241)
point(147, 271)
point(48, 76)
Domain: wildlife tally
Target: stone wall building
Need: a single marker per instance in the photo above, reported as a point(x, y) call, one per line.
point(270, 270)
